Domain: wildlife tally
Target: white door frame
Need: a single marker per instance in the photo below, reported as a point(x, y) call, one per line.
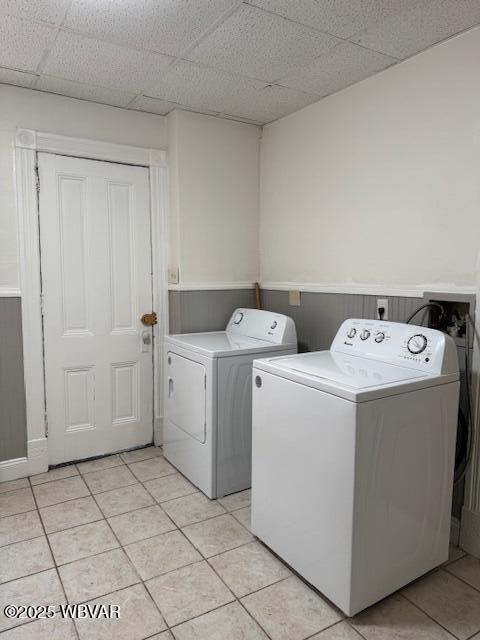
point(27, 143)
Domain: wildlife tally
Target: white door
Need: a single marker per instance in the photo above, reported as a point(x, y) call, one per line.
point(97, 282)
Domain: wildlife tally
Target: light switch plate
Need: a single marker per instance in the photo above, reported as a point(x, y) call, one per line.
point(294, 298)
point(173, 275)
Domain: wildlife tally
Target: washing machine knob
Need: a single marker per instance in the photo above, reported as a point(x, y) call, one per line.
point(380, 337)
point(417, 343)
point(274, 325)
point(365, 334)
point(352, 333)
point(238, 318)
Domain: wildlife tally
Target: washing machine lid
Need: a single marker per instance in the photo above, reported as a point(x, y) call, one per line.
point(351, 377)
point(216, 344)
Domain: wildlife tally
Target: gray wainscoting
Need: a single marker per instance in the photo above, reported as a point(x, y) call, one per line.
point(320, 314)
point(13, 430)
point(192, 311)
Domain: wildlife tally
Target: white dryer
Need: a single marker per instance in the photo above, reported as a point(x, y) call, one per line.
point(207, 431)
point(353, 458)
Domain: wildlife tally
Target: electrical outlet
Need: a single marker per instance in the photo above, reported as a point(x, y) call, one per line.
point(382, 309)
point(173, 275)
point(294, 298)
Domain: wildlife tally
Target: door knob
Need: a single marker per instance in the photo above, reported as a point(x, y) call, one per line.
point(146, 341)
point(149, 319)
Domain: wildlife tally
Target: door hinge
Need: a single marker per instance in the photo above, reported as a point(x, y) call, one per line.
point(37, 180)
point(42, 304)
point(205, 381)
point(46, 425)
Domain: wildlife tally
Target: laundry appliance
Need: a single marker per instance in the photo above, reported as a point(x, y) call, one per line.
point(353, 458)
point(208, 397)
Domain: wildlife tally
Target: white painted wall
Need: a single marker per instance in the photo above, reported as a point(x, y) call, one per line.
point(214, 191)
point(380, 183)
point(66, 116)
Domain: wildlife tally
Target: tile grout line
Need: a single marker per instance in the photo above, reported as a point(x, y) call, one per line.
point(52, 554)
point(223, 582)
point(436, 622)
point(454, 575)
point(141, 581)
point(9, 544)
point(51, 550)
point(202, 559)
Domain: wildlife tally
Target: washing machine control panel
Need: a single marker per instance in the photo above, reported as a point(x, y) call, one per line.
point(262, 325)
point(402, 344)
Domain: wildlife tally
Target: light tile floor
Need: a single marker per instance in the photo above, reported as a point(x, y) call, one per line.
point(130, 530)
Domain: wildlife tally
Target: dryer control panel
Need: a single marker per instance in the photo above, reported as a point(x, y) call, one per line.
point(263, 325)
point(403, 344)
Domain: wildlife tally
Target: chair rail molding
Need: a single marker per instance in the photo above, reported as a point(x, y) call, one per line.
point(27, 143)
point(210, 286)
point(359, 288)
point(9, 292)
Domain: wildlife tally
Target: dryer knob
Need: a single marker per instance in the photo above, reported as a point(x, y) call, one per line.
point(238, 318)
point(352, 333)
point(379, 337)
point(274, 324)
point(365, 334)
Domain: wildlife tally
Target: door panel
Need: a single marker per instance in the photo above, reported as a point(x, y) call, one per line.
point(186, 395)
point(96, 282)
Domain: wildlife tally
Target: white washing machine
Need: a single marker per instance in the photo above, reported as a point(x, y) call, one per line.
point(353, 458)
point(207, 431)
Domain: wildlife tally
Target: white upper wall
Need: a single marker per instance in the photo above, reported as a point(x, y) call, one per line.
point(379, 184)
point(214, 198)
point(65, 116)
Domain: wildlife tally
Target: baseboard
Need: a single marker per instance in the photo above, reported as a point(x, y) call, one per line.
point(158, 432)
point(13, 469)
point(470, 532)
point(35, 462)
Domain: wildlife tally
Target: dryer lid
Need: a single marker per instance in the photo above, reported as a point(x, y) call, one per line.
point(221, 343)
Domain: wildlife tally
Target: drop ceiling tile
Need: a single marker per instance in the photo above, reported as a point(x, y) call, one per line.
point(416, 29)
point(103, 64)
point(52, 11)
point(168, 27)
point(261, 45)
point(21, 79)
point(152, 105)
point(84, 91)
point(341, 18)
point(343, 65)
point(274, 102)
point(206, 89)
point(22, 43)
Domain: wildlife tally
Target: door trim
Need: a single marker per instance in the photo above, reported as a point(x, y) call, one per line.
point(27, 143)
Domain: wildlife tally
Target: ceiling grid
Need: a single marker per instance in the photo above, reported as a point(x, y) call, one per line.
point(252, 61)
